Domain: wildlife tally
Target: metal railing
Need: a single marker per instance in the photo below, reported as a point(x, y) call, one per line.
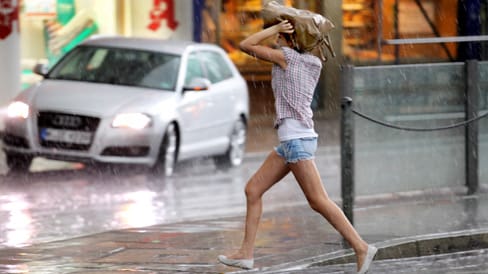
point(472, 116)
point(436, 40)
point(429, 40)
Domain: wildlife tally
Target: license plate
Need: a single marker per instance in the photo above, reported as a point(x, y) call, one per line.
point(66, 136)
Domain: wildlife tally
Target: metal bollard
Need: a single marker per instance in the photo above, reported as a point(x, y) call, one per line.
point(471, 133)
point(347, 158)
point(347, 144)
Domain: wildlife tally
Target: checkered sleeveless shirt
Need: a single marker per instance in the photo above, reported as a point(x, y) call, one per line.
point(294, 87)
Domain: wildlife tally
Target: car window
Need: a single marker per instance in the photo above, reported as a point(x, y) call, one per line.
point(97, 59)
point(162, 75)
point(68, 68)
point(194, 68)
point(216, 67)
point(119, 67)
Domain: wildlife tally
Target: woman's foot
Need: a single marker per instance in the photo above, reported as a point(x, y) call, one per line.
point(238, 259)
point(366, 258)
point(241, 263)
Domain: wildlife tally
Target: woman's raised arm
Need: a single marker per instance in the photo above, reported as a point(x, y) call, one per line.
point(252, 44)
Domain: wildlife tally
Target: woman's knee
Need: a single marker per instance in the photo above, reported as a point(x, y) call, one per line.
point(315, 205)
point(318, 204)
point(252, 191)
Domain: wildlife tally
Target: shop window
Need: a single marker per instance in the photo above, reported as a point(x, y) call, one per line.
point(421, 19)
point(360, 30)
point(400, 19)
point(227, 22)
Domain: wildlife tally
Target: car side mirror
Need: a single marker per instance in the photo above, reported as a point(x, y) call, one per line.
point(197, 84)
point(41, 69)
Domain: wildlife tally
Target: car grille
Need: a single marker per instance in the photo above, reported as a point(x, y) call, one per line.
point(134, 151)
point(15, 141)
point(63, 122)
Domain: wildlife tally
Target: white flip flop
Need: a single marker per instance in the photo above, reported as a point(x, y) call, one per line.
point(242, 263)
point(368, 259)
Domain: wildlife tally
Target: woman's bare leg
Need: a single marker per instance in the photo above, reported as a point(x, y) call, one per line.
point(271, 171)
point(308, 178)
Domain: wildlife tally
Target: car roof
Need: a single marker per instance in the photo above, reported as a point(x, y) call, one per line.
point(151, 44)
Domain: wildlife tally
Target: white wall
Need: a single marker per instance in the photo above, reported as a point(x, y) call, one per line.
point(137, 18)
point(10, 66)
point(140, 18)
point(184, 15)
point(32, 38)
point(104, 13)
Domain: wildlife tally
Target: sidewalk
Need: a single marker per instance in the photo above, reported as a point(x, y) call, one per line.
point(290, 240)
point(293, 239)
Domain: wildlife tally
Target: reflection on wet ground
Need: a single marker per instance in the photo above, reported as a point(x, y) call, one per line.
point(58, 200)
point(74, 200)
point(291, 237)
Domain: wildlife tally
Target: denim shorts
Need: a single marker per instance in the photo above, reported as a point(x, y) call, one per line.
point(297, 149)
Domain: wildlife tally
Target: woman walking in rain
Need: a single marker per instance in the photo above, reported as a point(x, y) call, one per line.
point(294, 77)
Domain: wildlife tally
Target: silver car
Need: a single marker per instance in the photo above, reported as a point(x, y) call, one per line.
point(131, 101)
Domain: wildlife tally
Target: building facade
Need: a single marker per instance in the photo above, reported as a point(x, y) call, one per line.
point(363, 34)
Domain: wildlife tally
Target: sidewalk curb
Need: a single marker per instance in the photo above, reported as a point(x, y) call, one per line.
point(399, 248)
point(407, 247)
point(124, 248)
point(420, 246)
point(365, 201)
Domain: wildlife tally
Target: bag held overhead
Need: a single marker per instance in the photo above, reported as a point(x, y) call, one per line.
point(311, 29)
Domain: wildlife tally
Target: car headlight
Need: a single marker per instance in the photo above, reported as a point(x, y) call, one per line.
point(18, 109)
point(132, 120)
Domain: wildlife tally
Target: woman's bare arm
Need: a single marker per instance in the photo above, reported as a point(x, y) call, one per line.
point(252, 44)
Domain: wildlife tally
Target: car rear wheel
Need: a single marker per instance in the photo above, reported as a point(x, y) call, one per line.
point(237, 146)
point(165, 164)
point(18, 162)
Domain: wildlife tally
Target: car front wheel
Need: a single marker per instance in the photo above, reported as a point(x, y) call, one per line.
point(237, 146)
point(165, 164)
point(18, 162)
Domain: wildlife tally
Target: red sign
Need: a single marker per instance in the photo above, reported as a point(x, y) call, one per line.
point(9, 12)
point(162, 10)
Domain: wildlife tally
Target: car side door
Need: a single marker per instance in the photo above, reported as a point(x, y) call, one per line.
point(194, 110)
point(221, 97)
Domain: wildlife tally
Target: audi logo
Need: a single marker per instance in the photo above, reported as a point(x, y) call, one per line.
point(66, 121)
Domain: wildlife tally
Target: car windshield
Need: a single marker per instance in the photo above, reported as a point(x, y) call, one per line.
point(117, 66)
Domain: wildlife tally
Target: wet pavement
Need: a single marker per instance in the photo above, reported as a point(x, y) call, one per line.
point(59, 200)
point(291, 238)
point(471, 262)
